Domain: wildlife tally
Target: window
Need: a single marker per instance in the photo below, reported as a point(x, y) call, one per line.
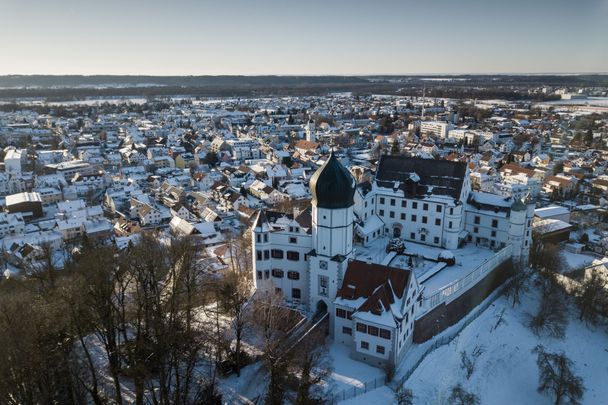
point(372, 330)
point(266, 254)
point(347, 330)
point(414, 205)
point(424, 220)
point(340, 313)
point(402, 216)
point(265, 237)
point(293, 240)
point(412, 235)
point(422, 237)
point(425, 207)
point(475, 230)
point(403, 204)
point(493, 234)
point(366, 204)
point(258, 238)
point(437, 221)
point(266, 274)
point(438, 208)
point(293, 275)
point(436, 239)
point(361, 327)
point(276, 253)
point(259, 275)
point(381, 200)
point(381, 213)
point(259, 255)
point(380, 349)
point(494, 223)
point(477, 219)
point(295, 293)
point(391, 214)
point(451, 211)
point(323, 285)
point(291, 255)
point(393, 202)
point(385, 334)
point(278, 273)
point(413, 218)
point(349, 315)
point(450, 224)
point(364, 345)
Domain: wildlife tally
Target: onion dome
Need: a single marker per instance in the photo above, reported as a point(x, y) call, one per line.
point(332, 186)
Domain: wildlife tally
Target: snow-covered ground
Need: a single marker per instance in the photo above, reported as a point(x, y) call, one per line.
point(348, 373)
point(505, 371)
point(576, 261)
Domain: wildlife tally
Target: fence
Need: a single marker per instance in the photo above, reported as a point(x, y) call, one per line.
point(356, 391)
point(457, 287)
point(444, 338)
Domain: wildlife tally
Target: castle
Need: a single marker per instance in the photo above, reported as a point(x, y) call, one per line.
point(379, 256)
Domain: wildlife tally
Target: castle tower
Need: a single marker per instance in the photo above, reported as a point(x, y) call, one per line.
point(310, 131)
point(520, 234)
point(260, 236)
point(333, 190)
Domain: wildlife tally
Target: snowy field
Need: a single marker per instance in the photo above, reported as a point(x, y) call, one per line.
point(505, 371)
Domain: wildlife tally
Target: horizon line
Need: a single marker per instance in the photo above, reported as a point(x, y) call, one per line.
point(315, 75)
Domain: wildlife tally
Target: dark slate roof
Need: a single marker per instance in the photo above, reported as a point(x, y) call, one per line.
point(419, 177)
point(365, 187)
point(332, 186)
point(305, 220)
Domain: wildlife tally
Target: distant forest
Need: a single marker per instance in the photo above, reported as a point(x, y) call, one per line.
point(511, 87)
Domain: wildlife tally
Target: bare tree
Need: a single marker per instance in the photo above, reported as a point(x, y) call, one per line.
point(545, 257)
point(404, 396)
point(552, 315)
point(459, 396)
point(556, 377)
point(517, 284)
point(274, 323)
point(235, 291)
point(312, 367)
point(467, 364)
point(94, 312)
point(591, 298)
point(37, 364)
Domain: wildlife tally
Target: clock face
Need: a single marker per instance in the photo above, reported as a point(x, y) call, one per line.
point(323, 264)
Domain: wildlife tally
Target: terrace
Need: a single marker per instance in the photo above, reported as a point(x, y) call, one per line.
point(440, 282)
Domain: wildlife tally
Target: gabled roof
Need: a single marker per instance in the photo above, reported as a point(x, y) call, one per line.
point(512, 168)
point(380, 285)
point(416, 176)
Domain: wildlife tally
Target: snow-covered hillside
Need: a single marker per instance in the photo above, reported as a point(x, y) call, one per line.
point(505, 371)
